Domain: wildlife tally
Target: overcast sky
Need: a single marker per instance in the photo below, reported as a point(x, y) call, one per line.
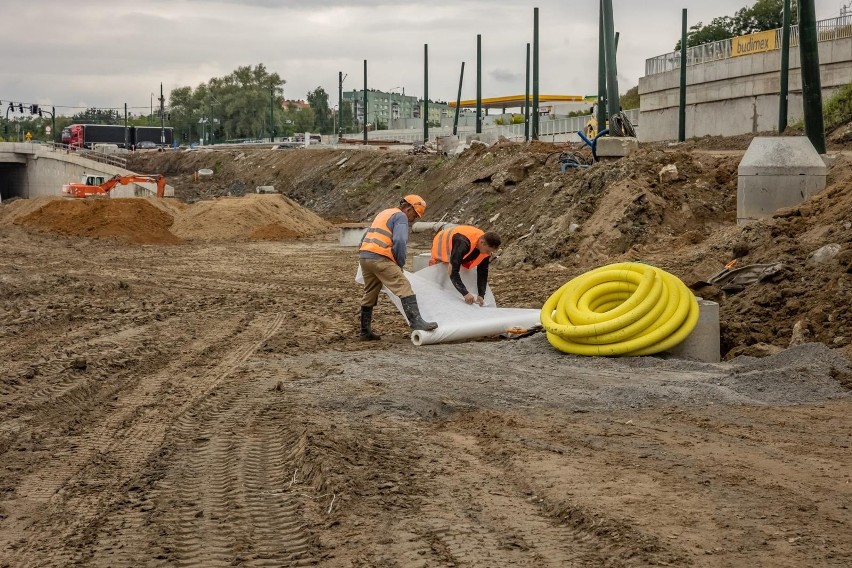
point(106, 53)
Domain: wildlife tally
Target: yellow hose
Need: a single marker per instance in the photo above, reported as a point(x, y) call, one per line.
point(620, 309)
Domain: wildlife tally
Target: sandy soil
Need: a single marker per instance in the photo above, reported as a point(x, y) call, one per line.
point(209, 405)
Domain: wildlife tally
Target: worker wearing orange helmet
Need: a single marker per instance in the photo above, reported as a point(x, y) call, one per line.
point(466, 246)
point(382, 256)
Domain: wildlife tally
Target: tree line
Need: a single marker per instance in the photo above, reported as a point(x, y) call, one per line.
point(762, 15)
point(247, 104)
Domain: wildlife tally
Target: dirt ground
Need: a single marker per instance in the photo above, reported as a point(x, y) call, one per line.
point(181, 381)
point(558, 225)
point(208, 404)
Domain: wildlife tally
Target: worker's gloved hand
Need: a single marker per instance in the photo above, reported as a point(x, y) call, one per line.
point(480, 300)
point(469, 298)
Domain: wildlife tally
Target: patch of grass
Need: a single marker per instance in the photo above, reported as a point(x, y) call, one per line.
point(838, 109)
point(364, 188)
point(489, 204)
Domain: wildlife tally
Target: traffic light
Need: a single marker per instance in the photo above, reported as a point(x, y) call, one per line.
point(21, 108)
point(33, 109)
point(39, 114)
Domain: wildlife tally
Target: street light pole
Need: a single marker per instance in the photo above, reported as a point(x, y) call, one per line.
point(271, 113)
point(162, 117)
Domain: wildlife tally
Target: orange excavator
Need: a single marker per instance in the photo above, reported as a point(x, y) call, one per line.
point(93, 186)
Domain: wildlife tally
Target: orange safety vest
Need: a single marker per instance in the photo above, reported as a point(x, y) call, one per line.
point(379, 237)
point(442, 244)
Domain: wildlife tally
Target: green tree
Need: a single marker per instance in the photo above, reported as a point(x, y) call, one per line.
point(98, 116)
point(584, 112)
point(298, 119)
point(324, 122)
point(630, 99)
point(718, 29)
point(236, 105)
point(762, 15)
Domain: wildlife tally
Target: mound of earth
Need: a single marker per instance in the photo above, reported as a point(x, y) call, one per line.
point(13, 209)
point(250, 217)
point(133, 220)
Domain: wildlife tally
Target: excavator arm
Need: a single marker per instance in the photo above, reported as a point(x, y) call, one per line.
point(159, 180)
point(82, 190)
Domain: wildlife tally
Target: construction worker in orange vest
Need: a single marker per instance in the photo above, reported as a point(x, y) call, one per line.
point(382, 256)
point(467, 246)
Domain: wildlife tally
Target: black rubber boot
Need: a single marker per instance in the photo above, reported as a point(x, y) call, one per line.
point(366, 325)
point(412, 312)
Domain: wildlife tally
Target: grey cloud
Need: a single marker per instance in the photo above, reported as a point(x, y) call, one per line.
point(506, 76)
point(185, 42)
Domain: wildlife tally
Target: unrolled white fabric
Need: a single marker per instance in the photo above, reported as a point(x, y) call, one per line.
point(440, 302)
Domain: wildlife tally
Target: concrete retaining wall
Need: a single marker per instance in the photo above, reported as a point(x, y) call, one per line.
point(737, 95)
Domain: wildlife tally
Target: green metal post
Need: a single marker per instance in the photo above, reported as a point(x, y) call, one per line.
point(162, 117)
point(365, 102)
point(611, 64)
point(811, 85)
point(425, 93)
point(478, 83)
point(527, 100)
point(339, 103)
point(535, 76)
point(785, 69)
point(458, 102)
point(271, 116)
point(601, 114)
point(681, 112)
point(126, 141)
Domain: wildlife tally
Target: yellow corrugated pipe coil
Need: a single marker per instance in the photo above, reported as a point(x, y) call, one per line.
point(627, 309)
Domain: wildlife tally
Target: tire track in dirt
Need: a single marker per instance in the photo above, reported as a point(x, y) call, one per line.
point(116, 449)
point(237, 462)
point(479, 516)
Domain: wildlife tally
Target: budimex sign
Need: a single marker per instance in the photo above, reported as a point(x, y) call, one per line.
point(754, 43)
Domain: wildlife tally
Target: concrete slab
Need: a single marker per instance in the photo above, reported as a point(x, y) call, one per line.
point(704, 343)
point(351, 235)
point(777, 172)
point(616, 147)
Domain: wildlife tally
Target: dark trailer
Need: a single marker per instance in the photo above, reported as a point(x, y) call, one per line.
point(103, 134)
point(151, 134)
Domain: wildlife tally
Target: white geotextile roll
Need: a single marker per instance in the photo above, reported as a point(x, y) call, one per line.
point(440, 302)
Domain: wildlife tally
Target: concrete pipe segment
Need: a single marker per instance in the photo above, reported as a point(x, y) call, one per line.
point(620, 309)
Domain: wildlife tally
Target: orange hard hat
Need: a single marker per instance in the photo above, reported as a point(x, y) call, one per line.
point(417, 203)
